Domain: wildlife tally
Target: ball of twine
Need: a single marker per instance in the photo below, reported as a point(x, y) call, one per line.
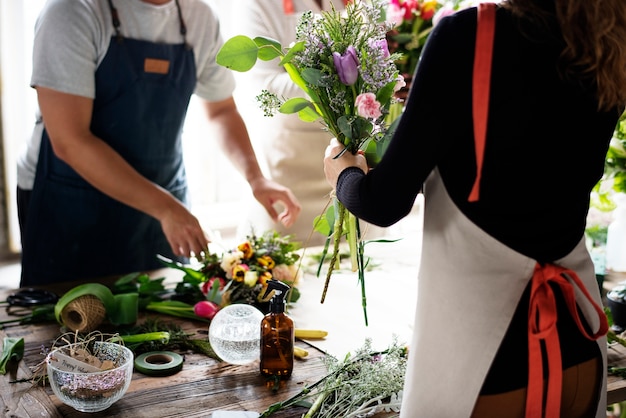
point(83, 314)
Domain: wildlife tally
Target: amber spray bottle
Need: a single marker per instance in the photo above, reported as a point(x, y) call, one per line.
point(277, 334)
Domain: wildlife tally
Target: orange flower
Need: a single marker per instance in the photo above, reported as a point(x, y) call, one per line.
point(265, 277)
point(246, 249)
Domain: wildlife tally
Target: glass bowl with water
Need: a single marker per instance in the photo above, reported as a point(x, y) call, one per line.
point(235, 333)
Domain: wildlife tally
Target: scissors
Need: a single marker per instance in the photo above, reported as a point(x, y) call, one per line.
point(31, 297)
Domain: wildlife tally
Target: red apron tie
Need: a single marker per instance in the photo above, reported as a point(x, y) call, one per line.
point(481, 82)
point(542, 319)
point(288, 7)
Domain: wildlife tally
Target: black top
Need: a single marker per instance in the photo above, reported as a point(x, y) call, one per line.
point(545, 149)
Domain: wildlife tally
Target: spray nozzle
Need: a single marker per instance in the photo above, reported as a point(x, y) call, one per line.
point(277, 303)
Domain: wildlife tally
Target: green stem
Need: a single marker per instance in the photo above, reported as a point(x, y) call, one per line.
point(361, 269)
point(353, 239)
point(316, 405)
point(334, 261)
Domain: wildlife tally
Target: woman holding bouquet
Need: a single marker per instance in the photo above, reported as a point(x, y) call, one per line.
point(504, 271)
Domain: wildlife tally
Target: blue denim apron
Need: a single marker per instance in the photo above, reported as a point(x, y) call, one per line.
point(75, 232)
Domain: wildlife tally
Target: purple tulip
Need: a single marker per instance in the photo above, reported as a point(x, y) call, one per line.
point(382, 45)
point(347, 66)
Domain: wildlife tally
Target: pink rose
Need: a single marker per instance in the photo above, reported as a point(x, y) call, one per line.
point(367, 106)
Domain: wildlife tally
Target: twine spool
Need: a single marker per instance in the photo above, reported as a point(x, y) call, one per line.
point(83, 314)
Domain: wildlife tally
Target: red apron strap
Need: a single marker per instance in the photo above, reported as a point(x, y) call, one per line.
point(483, 52)
point(542, 319)
point(288, 7)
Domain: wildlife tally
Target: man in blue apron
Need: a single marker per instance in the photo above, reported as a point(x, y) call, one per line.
point(109, 190)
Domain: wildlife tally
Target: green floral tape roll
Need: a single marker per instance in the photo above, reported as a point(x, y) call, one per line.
point(159, 363)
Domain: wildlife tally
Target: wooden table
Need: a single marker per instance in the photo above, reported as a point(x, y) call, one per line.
point(616, 385)
point(203, 386)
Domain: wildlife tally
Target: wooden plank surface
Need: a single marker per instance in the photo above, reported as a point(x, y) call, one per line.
point(203, 386)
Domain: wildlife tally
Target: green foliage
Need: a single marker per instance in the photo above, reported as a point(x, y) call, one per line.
point(12, 350)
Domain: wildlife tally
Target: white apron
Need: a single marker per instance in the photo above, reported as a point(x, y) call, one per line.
point(469, 286)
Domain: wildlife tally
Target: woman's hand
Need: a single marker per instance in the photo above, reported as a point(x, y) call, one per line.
point(334, 166)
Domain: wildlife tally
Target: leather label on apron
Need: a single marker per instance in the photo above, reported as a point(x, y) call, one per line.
point(157, 66)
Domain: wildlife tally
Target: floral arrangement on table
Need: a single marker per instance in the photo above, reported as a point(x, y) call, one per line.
point(239, 275)
point(343, 64)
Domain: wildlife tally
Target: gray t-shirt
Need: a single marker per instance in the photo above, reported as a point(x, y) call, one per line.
point(72, 37)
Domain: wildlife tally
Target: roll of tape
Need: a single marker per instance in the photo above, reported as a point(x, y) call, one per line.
point(159, 363)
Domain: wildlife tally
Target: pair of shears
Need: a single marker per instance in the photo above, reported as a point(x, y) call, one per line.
point(28, 298)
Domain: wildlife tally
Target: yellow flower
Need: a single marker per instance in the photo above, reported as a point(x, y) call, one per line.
point(266, 261)
point(239, 272)
point(246, 249)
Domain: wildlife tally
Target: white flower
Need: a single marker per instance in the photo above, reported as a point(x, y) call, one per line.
point(229, 261)
point(250, 278)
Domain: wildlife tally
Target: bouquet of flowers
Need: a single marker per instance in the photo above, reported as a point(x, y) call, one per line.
point(343, 64)
point(239, 275)
point(412, 22)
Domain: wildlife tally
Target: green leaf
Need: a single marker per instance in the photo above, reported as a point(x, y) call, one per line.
point(175, 308)
point(126, 308)
point(175, 264)
point(312, 76)
point(214, 294)
point(308, 114)
point(239, 53)
point(268, 48)
point(127, 279)
point(354, 128)
point(297, 47)
point(295, 105)
point(12, 350)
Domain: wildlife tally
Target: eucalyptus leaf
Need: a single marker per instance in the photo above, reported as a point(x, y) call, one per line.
point(239, 53)
point(294, 105)
point(313, 76)
point(268, 48)
point(295, 48)
point(308, 114)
